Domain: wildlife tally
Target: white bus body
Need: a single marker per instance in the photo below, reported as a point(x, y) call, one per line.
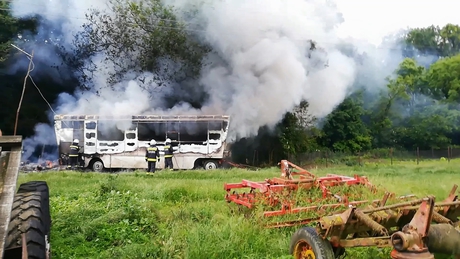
point(199, 141)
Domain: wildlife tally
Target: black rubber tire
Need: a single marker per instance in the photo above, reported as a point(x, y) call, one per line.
point(40, 186)
point(321, 248)
point(27, 217)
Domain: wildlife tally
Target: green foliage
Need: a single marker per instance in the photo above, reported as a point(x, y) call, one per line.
point(344, 131)
point(156, 41)
point(10, 27)
point(297, 133)
point(443, 78)
point(435, 40)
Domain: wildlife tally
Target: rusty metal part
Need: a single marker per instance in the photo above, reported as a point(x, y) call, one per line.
point(438, 218)
point(418, 238)
point(411, 255)
point(237, 165)
point(25, 255)
point(368, 221)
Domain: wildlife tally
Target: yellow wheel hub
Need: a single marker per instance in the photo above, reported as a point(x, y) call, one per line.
point(308, 254)
point(304, 251)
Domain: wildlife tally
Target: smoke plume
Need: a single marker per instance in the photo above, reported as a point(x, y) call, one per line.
point(261, 65)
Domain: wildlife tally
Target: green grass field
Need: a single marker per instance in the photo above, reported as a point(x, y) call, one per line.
point(183, 214)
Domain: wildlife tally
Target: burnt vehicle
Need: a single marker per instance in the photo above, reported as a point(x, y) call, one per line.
point(120, 142)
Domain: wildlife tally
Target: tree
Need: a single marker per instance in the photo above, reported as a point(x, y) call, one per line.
point(297, 133)
point(427, 128)
point(433, 40)
point(10, 27)
point(140, 36)
point(344, 131)
point(443, 78)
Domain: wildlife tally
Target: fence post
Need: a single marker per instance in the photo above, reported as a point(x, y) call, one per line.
point(432, 152)
point(326, 158)
point(449, 150)
point(391, 156)
point(418, 155)
point(359, 158)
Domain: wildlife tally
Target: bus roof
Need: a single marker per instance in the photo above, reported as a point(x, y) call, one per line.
point(144, 117)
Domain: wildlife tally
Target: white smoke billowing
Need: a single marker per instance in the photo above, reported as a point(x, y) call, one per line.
point(67, 15)
point(44, 135)
point(268, 69)
point(262, 64)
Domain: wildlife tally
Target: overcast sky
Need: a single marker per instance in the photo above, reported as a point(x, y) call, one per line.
point(373, 19)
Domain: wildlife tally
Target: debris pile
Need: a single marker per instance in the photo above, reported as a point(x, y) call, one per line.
point(39, 166)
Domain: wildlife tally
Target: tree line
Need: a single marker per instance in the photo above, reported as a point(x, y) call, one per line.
point(417, 106)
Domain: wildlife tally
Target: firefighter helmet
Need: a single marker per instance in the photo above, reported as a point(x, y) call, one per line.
point(76, 141)
point(168, 140)
point(153, 142)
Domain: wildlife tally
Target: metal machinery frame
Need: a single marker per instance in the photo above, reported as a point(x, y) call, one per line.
point(415, 228)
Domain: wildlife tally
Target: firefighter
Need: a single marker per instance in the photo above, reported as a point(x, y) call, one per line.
point(151, 156)
point(73, 155)
point(168, 154)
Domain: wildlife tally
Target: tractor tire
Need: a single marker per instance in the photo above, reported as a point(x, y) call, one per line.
point(40, 186)
point(27, 218)
point(306, 243)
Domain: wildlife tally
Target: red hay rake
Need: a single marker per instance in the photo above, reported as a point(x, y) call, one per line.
point(415, 228)
point(277, 192)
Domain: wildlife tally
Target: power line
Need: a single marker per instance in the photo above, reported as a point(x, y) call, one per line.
point(40, 92)
point(30, 68)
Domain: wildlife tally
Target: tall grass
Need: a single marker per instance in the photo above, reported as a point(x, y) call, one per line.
point(183, 214)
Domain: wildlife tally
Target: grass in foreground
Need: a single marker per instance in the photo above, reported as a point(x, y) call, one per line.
point(183, 214)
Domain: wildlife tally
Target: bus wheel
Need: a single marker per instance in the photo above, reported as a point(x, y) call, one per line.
point(210, 165)
point(97, 166)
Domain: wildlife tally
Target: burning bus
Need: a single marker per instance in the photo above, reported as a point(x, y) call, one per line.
point(121, 142)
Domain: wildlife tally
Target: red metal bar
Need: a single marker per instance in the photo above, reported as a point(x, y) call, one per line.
point(285, 211)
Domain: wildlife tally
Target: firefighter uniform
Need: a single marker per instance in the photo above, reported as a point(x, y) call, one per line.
point(168, 154)
point(151, 155)
point(73, 155)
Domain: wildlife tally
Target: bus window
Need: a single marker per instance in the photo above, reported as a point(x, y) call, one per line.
point(193, 132)
point(90, 125)
point(149, 130)
point(72, 125)
point(172, 131)
point(214, 136)
point(215, 125)
point(108, 131)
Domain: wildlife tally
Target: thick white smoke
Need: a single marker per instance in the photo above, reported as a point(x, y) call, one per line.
point(268, 68)
point(262, 66)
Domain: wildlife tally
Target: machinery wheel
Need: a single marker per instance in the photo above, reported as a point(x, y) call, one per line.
point(210, 165)
point(307, 244)
point(97, 166)
point(42, 187)
point(27, 218)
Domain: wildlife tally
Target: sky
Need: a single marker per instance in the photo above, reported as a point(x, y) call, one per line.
point(372, 20)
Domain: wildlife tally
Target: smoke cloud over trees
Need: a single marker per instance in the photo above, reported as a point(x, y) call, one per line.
point(279, 69)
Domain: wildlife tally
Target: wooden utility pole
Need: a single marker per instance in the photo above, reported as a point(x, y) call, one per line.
point(30, 57)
